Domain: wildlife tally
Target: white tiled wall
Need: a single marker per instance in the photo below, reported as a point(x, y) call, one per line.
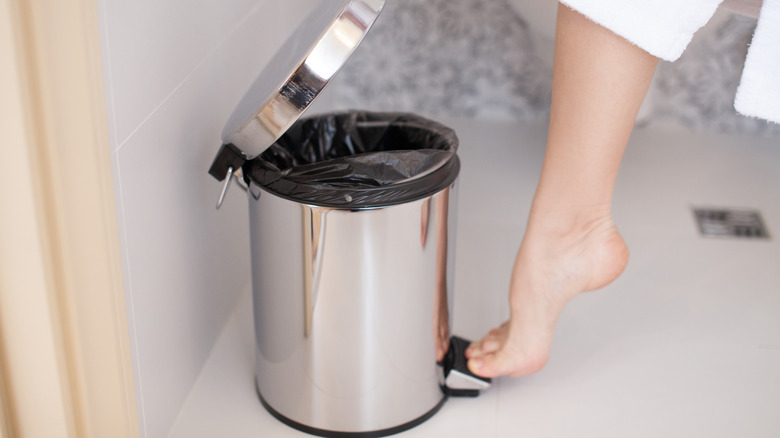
point(174, 70)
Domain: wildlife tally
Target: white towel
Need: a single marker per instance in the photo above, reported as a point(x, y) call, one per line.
point(758, 94)
point(665, 27)
point(661, 27)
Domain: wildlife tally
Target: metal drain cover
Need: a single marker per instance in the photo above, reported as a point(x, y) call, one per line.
point(721, 222)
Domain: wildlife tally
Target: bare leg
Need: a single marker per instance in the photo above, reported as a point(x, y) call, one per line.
point(571, 244)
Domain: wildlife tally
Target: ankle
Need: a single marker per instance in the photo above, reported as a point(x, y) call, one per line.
point(567, 225)
point(571, 253)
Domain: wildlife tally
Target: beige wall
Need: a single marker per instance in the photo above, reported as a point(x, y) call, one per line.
point(65, 368)
point(28, 341)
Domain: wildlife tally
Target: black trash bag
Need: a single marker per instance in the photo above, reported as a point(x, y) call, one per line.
point(358, 159)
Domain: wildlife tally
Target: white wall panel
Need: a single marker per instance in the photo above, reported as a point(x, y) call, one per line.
point(174, 71)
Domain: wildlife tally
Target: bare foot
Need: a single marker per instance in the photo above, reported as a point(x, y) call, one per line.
point(553, 265)
point(571, 244)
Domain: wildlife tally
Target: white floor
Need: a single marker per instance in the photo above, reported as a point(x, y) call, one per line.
point(685, 344)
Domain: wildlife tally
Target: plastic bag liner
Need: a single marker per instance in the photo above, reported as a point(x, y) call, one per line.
point(358, 159)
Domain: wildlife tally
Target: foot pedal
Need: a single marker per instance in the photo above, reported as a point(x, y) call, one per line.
point(459, 381)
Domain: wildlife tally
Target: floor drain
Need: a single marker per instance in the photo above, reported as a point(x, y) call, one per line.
point(730, 223)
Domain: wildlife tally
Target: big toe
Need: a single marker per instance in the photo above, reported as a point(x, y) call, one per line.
point(492, 364)
point(506, 362)
point(489, 344)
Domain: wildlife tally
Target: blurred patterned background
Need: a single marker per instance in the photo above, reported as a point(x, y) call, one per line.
point(481, 58)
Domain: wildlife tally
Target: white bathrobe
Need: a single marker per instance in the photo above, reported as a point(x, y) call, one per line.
point(665, 27)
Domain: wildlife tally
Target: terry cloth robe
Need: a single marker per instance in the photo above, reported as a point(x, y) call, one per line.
point(664, 28)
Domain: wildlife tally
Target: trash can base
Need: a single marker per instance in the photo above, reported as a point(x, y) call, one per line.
point(337, 434)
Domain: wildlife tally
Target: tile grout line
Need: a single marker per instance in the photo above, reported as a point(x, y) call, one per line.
point(129, 292)
point(197, 67)
point(119, 146)
point(130, 295)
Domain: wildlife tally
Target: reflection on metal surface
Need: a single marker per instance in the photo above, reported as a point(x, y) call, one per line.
point(238, 177)
point(441, 315)
point(298, 72)
point(225, 185)
point(313, 236)
point(360, 356)
point(424, 218)
point(254, 190)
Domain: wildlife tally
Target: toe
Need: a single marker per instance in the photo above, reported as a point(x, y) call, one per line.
point(507, 362)
point(492, 365)
point(474, 350)
point(491, 344)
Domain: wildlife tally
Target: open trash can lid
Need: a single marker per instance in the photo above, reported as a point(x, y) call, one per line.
point(298, 72)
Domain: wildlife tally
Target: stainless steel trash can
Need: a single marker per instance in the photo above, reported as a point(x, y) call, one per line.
point(352, 302)
point(352, 227)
